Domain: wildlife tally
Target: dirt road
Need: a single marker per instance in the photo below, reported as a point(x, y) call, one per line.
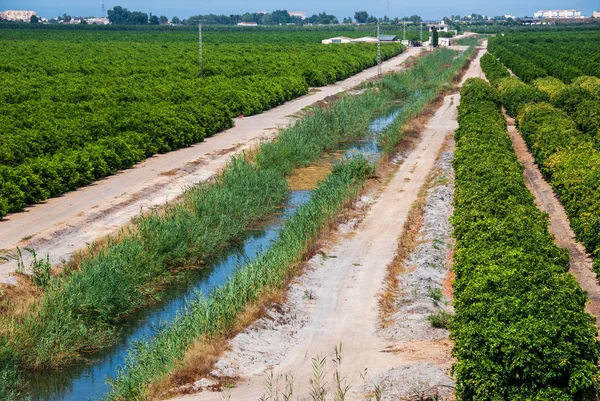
point(62, 225)
point(345, 306)
point(581, 263)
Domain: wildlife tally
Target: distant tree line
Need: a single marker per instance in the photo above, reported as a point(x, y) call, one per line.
point(277, 17)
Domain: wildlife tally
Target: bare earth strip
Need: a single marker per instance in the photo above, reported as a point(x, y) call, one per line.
point(581, 263)
point(342, 288)
point(63, 225)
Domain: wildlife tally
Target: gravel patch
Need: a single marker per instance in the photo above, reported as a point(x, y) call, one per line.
point(413, 381)
point(422, 285)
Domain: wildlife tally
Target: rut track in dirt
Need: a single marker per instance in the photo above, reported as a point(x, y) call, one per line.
point(581, 264)
point(349, 279)
point(61, 226)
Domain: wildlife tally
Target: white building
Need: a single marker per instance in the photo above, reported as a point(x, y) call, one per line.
point(557, 14)
point(338, 39)
point(299, 14)
point(510, 16)
point(366, 39)
point(17, 15)
point(98, 21)
point(596, 14)
point(247, 24)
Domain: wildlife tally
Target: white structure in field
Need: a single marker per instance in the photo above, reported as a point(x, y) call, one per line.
point(366, 39)
point(97, 21)
point(299, 14)
point(510, 16)
point(596, 14)
point(17, 15)
point(556, 14)
point(247, 24)
point(339, 39)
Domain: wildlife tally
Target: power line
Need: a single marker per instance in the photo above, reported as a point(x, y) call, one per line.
point(200, 47)
point(378, 50)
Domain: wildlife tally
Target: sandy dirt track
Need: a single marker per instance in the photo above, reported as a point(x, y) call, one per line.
point(581, 263)
point(345, 307)
point(62, 225)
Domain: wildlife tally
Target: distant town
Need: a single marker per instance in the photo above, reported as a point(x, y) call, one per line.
point(119, 15)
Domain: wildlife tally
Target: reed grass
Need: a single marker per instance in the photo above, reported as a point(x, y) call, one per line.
point(216, 312)
point(418, 87)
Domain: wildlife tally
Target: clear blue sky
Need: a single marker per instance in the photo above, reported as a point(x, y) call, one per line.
point(428, 9)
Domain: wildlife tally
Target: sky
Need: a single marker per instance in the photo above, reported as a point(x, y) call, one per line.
point(427, 9)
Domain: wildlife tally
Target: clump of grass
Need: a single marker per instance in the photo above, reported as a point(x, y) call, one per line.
point(440, 319)
point(436, 294)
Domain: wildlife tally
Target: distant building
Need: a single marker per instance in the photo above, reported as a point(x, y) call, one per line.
point(442, 27)
point(596, 14)
point(510, 16)
point(98, 21)
point(338, 39)
point(247, 24)
point(366, 39)
point(299, 14)
point(557, 14)
point(388, 38)
point(17, 15)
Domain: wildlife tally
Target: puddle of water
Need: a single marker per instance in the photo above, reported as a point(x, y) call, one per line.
point(82, 382)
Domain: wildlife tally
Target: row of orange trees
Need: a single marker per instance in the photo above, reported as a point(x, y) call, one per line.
point(78, 106)
point(520, 329)
point(568, 157)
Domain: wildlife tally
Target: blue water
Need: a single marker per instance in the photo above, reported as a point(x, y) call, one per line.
point(83, 382)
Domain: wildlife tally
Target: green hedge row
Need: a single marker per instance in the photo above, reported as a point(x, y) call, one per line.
point(523, 68)
point(520, 329)
point(570, 161)
point(494, 70)
point(568, 158)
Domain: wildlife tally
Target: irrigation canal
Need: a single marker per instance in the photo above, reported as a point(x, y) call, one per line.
point(88, 380)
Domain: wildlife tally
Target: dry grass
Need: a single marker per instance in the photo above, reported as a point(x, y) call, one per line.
point(199, 360)
point(16, 300)
point(307, 178)
point(170, 172)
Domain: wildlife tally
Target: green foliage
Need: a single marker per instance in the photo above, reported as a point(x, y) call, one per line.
point(550, 85)
point(570, 161)
point(215, 313)
point(564, 54)
point(581, 101)
point(520, 329)
point(515, 95)
point(67, 121)
point(434, 37)
point(440, 319)
point(478, 90)
point(493, 69)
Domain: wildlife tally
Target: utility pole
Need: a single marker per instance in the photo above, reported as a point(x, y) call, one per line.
point(421, 35)
point(404, 30)
point(388, 10)
point(200, 46)
point(102, 8)
point(378, 50)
